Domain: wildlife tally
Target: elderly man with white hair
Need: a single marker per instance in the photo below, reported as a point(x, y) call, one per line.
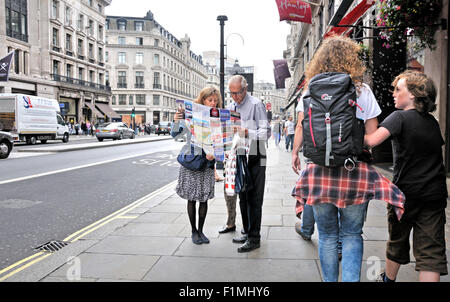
point(255, 126)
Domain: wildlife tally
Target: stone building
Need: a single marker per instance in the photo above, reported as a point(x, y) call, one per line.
point(149, 69)
point(58, 50)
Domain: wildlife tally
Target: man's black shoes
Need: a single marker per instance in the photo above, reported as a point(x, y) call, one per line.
point(226, 229)
point(241, 239)
point(248, 246)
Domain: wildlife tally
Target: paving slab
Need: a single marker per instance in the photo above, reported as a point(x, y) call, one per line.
point(150, 229)
point(137, 245)
point(111, 266)
point(200, 269)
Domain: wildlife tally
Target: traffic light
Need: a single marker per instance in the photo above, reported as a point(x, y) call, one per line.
point(133, 112)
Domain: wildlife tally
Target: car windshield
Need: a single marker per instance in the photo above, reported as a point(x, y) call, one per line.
point(111, 125)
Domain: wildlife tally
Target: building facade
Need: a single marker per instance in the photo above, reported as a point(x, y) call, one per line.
point(149, 69)
point(58, 50)
point(272, 97)
point(383, 64)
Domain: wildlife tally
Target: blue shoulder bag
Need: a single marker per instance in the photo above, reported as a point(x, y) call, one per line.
point(192, 161)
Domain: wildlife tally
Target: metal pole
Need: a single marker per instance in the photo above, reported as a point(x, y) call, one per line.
point(222, 20)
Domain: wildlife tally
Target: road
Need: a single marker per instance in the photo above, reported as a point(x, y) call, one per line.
point(38, 205)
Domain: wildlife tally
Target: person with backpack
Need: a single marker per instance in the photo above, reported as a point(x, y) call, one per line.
point(289, 132)
point(419, 172)
point(336, 182)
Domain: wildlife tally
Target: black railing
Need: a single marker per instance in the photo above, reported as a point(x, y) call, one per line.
point(121, 85)
point(139, 85)
point(156, 86)
point(78, 82)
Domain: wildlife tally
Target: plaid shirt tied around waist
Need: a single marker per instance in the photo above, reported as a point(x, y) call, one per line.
point(318, 184)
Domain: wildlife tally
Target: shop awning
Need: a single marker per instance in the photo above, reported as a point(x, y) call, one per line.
point(350, 18)
point(93, 109)
point(107, 110)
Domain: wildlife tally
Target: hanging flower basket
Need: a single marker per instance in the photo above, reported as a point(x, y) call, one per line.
point(399, 19)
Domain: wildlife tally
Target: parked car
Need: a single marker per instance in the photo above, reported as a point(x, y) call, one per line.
point(163, 128)
point(6, 144)
point(114, 130)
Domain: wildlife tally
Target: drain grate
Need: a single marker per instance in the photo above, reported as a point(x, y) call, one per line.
point(52, 246)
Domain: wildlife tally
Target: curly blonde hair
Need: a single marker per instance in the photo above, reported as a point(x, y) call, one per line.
point(337, 54)
point(207, 92)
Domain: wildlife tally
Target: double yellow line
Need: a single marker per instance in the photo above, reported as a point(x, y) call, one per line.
point(120, 214)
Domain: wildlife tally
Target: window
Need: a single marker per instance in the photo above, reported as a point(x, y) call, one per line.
point(122, 58)
point(91, 76)
point(320, 23)
point(140, 99)
point(100, 8)
point(106, 56)
point(55, 37)
point(91, 51)
point(122, 99)
point(80, 24)
point(156, 80)
point(156, 43)
point(68, 19)
point(122, 79)
point(122, 24)
point(100, 32)
point(113, 100)
point(156, 100)
point(138, 25)
point(80, 73)
point(139, 79)
point(91, 27)
point(130, 99)
point(69, 71)
point(330, 10)
point(122, 40)
point(16, 20)
point(107, 24)
point(156, 59)
point(55, 67)
point(100, 54)
point(139, 58)
point(139, 41)
point(55, 7)
point(68, 42)
point(80, 48)
point(91, 3)
point(107, 78)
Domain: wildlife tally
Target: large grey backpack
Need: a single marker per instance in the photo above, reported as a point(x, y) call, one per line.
point(332, 135)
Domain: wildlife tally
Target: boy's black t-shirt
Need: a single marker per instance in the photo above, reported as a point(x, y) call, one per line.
point(417, 148)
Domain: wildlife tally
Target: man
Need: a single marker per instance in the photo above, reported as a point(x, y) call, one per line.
point(289, 132)
point(256, 128)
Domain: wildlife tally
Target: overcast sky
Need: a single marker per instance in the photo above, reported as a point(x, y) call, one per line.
point(257, 21)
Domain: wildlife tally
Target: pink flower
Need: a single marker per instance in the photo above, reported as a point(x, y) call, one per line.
point(398, 7)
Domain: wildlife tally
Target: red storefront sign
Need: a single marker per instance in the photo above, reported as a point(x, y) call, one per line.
point(294, 10)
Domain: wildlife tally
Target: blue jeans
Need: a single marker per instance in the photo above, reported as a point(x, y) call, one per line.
point(308, 220)
point(351, 221)
point(289, 141)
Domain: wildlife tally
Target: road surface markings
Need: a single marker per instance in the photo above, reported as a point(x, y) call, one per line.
point(42, 257)
point(73, 168)
point(120, 214)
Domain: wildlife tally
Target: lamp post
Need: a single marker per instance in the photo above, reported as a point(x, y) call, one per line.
point(222, 20)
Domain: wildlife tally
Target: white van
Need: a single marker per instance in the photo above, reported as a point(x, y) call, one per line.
point(30, 118)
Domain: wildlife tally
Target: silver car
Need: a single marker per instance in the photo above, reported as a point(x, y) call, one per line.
point(114, 130)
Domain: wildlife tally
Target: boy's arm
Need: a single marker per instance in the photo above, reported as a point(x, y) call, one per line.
point(377, 137)
point(298, 142)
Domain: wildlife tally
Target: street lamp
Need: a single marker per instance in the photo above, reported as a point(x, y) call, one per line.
point(222, 20)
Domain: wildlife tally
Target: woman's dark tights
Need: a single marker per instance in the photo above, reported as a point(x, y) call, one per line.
point(202, 210)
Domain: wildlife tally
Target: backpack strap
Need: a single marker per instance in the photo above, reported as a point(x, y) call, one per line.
point(328, 155)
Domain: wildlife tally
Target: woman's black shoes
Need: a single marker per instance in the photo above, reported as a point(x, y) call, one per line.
point(204, 238)
point(196, 238)
point(226, 229)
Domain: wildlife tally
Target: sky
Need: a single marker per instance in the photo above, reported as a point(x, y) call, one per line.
point(257, 21)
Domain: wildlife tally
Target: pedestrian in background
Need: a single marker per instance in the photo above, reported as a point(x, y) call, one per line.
point(339, 206)
point(277, 132)
point(289, 132)
point(256, 128)
point(419, 172)
point(196, 185)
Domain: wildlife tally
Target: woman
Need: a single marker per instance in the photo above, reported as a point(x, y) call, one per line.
point(339, 197)
point(197, 185)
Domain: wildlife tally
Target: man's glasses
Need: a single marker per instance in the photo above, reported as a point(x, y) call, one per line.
point(237, 93)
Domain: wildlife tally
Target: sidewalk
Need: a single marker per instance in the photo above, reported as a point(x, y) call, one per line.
point(150, 240)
